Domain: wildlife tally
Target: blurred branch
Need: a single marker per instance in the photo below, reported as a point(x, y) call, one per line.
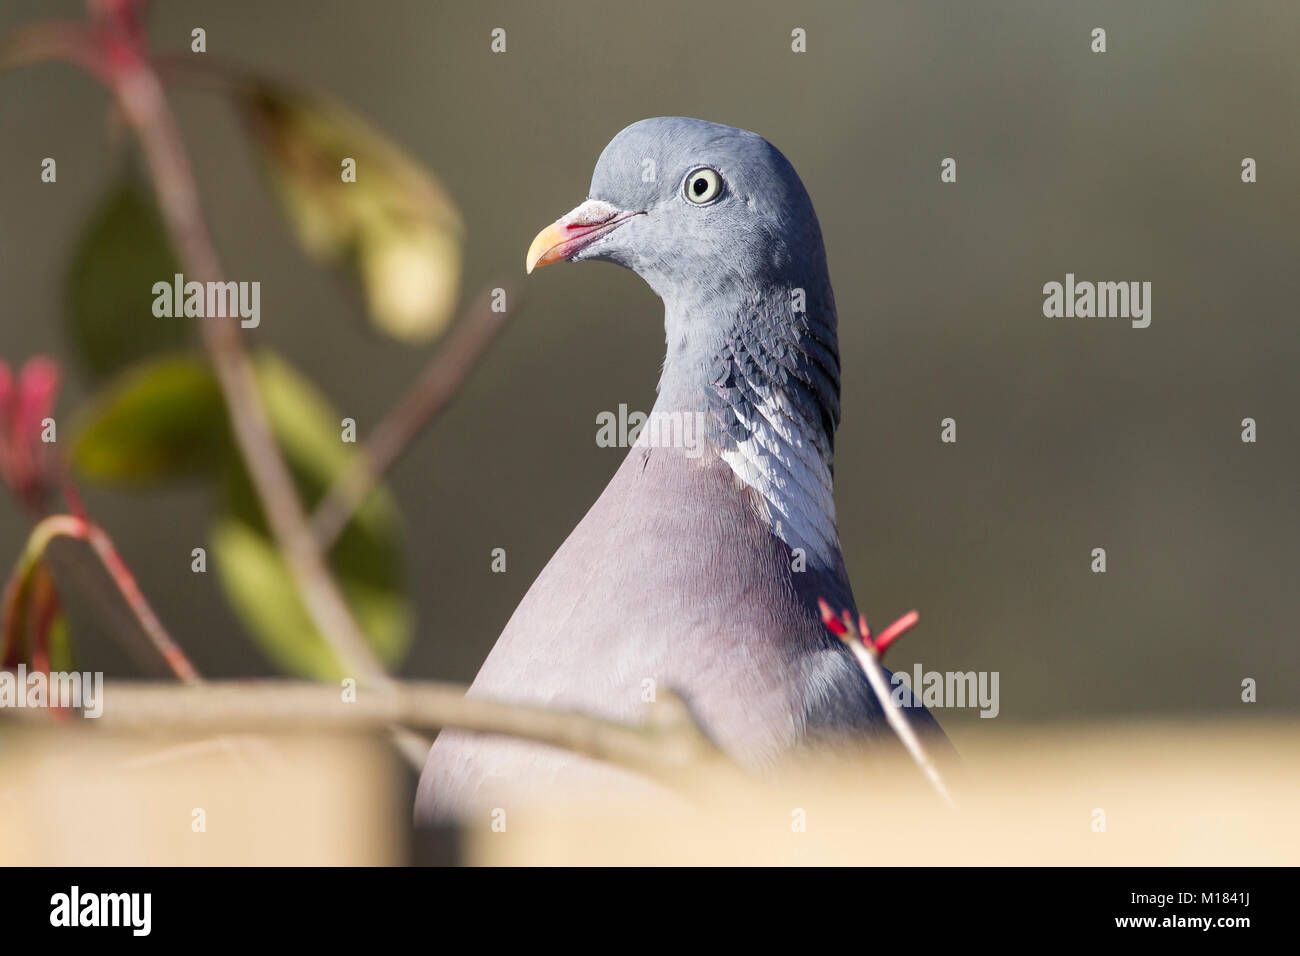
point(113, 51)
point(668, 743)
point(858, 639)
point(70, 40)
point(437, 385)
point(140, 98)
point(72, 527)
point(113, 47)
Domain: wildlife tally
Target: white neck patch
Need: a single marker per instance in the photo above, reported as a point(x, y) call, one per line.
point(791, 475)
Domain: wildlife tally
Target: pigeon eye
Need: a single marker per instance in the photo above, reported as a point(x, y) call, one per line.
point(703, 185)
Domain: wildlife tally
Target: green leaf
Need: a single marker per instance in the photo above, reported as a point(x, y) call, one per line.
point(367, 559)
point(394, 226)
point(109, 308)
point(34, 596)
point(60, 644)
point(166, 419)
point(157, 421)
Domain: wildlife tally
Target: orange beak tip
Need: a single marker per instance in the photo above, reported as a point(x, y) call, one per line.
point(545, 247)
point(570, 234)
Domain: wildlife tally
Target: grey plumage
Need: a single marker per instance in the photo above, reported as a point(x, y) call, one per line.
point(682, 573)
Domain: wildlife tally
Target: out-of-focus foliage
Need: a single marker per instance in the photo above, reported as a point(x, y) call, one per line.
point(366, 560)
point(120, 255)
point(165, 420)
point(60, 644)
point(354, 199)
point(33, 621)
point(395, 226)
point(156, 422)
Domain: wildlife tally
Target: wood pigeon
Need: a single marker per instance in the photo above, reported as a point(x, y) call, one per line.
point(700, 566)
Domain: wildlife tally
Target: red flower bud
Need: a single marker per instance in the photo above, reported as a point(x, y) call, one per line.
point(28, 464)
point(832, 622)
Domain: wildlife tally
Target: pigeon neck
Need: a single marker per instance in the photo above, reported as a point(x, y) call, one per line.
point(763, 375)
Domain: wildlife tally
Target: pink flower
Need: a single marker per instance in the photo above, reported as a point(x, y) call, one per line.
point(27, 463)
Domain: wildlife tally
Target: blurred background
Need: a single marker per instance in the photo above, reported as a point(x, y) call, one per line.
point(1072, 434)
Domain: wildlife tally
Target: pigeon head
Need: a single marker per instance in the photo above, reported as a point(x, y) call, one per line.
point(717, 222)
point(696, 209)
point(719, 225)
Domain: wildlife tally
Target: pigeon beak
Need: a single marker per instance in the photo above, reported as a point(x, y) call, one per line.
point(571, 233)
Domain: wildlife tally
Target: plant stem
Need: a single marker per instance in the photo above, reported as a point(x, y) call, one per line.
point(665, 746)
point(870, 663)
point(140, 97)
point(437, 385)
point(81, 530)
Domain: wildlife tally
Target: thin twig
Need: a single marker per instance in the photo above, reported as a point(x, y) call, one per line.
point(894, 714)
point(868, 658)
point(71, 40)
point(79, 529)
point(437, 385)
point(665, 746)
